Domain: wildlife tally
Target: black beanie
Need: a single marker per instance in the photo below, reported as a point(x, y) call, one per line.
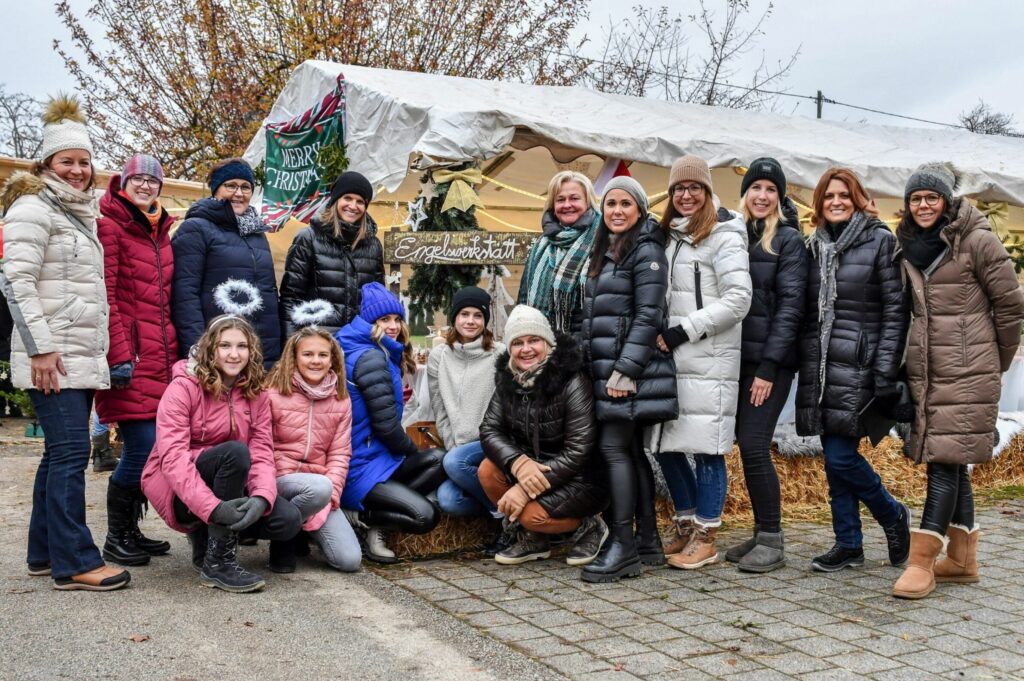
point(471, 296)
point(351, 182)
point(764, 168)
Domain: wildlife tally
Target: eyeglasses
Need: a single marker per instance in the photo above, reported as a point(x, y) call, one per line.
point(234, 187)
point(143, 180)
point(691, 189)
point(929, 200)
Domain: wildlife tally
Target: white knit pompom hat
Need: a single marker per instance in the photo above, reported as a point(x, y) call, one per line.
point(527, 321)
point(64, 127)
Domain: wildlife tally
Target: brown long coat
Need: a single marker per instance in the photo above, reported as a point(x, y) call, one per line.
point(965, 330)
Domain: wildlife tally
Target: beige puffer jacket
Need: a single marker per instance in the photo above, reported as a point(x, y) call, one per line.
point(53, 280)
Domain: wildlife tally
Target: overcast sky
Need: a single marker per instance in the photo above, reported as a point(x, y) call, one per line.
point(929, 59)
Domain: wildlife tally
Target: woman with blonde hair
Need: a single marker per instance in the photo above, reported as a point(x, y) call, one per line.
point(555, 274)
point(388, 477)
point(334, 257)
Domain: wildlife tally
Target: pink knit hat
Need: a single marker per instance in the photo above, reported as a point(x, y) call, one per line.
point(142, 164)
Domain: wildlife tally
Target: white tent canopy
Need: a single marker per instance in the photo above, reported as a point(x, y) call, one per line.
point(393, 114)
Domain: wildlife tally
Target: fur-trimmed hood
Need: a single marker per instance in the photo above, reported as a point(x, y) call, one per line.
point(21, 183)
point(566, 361)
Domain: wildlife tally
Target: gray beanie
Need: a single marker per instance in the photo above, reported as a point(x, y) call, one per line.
point(527, 321)
point(631, 187)
point(941, 178)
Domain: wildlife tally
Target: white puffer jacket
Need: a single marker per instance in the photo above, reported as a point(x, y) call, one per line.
point(53, 280)
point(708, 366)
point(461, 381)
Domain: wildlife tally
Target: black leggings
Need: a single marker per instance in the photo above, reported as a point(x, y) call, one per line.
point(755, 427)
point(630, 477)
point(401, 502)
point(949, 500)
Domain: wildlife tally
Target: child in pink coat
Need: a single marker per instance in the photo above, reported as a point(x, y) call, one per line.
point(312, 418)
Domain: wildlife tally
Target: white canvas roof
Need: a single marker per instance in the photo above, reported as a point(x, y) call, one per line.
point(392, 114)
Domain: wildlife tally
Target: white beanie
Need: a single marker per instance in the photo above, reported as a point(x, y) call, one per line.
point(64, 127)
point(527, 321)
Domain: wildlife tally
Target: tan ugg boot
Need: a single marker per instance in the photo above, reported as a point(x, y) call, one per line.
point(683, 534)
point(961, 562)
point(918, 580)
point(700, 551)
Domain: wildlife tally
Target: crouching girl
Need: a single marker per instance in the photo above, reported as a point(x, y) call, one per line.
point(312, 446)
point(211, 473)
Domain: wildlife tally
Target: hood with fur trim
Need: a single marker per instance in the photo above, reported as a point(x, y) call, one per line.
point(21, 183)
point(566, 361)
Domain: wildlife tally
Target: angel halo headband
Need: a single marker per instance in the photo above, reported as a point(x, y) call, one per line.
point(316, 312)
point(226, 296)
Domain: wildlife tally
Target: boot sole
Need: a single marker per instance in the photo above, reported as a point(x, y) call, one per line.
point(967, 579)
point(383, 560)
point(653, 559)
point(693, 566)
point(912, 595)
point(504, 560)
point(819, 567)
point(39, 571)
point(216, 584)
point(131, 561)
point(633, 570)
point(70, 585)
point(761, 569)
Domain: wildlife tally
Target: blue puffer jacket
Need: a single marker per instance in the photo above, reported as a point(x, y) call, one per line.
point(209, 250)
point(379, 443)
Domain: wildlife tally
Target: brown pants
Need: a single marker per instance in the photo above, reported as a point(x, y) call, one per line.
point(533, 517)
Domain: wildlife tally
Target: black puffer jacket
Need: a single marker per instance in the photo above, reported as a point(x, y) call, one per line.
point(866, 345)
point(209, 250)
point(772, 327)
point(553, 424)
point(322, 266)
point(623, 313)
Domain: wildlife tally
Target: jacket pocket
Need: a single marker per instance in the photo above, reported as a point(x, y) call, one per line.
point(696, 286)
point(67, 314)
point(963, 341)
point(133, 339)
point(862, 349)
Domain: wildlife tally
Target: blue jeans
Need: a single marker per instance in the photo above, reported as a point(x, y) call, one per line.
point(701, 494)
point(462, 494)
point(57, 533)
point(97, 428)
point(851, 479)
point(138, 437)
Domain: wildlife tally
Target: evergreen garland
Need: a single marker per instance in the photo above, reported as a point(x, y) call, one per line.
point(432, 287)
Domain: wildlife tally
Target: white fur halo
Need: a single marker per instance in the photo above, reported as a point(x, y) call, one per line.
point(312, 313)
point(226, 294)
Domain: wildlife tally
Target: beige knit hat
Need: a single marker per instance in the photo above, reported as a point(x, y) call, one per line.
point(64, 127)
point(527, 321)
point(690, 168)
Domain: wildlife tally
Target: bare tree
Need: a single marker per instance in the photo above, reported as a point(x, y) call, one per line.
point(650, 55)
point(21, 131)
point(986, 121)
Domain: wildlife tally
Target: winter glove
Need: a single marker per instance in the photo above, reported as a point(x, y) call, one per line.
point(121, 375)
point(903, 411)
point(228, 512)
point(675, 336)
point(252, 510)
point(512, 503)
point(530, 476)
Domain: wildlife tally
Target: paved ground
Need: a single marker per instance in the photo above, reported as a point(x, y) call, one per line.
point(792, 623)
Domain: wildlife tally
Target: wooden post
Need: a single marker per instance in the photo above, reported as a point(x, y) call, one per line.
point(821, 100)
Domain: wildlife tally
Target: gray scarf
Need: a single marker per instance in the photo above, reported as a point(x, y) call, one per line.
point(827, 252)
point(250, 222)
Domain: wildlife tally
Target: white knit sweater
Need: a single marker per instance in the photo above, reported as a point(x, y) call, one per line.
point(461, 379)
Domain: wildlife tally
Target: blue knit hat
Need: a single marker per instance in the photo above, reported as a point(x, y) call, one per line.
point(378, 301)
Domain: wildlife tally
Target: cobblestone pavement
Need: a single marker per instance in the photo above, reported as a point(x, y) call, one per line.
point(718, 622)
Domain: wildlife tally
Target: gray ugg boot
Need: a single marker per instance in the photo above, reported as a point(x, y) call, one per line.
point(767, 554)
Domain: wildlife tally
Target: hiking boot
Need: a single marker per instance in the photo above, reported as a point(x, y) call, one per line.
point(683, 535)
point(120, 546)
point(734, 554)
point(590, 537)
point(376, 546)
point(648, 541)
point(505, 537)
point(528, 546)
point(103, 578)
point(837, 558)
point(103, 459)
point(282, 556)
point(154, 547)
point(897, 536)
point(198, 540)
point(961, 562)
point(702, 549)
point(618, 557)
point(918, 580)
point(767, 554)
point(220, 567)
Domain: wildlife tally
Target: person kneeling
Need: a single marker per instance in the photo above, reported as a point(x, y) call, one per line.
point(211, 473)
point(543, 404)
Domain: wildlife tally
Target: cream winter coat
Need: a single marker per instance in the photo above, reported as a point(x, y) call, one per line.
point(708, 366)
point(53, 280)
point(461, 379)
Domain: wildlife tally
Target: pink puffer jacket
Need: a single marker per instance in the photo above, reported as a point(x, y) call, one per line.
point(190, 421)
point(312, 436)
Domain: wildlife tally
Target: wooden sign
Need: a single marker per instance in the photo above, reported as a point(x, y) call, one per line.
point(457, 248)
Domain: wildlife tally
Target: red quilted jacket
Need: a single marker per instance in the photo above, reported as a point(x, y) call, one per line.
point(138, 271)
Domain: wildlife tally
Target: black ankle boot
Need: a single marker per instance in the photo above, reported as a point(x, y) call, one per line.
point(103, 457)
point(198, 540)
point(648, 541)
point(282, 556)
point(120, 546)
point(154, 547)
point(618, 557)
point(220, 567)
